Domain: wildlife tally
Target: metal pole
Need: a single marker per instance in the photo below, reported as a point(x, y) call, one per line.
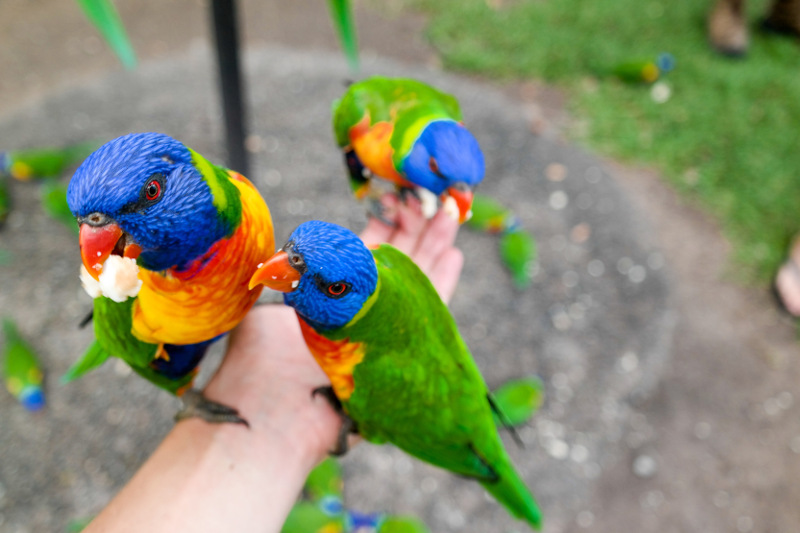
point(227, 41)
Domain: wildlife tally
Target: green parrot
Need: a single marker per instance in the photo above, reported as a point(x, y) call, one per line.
point(517, 246)
point(518, 400)
point(5, 199)
point(412, 135)
point(21, 370)
point(399, 369)
point(54, 202)
point(37, 163)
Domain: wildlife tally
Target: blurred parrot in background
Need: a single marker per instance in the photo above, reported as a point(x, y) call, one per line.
point(169, 242)
point(410, 134)
point(399, 369)
point(5, 200)
point(518, 400)
point(643, 70)
point(54, 202)
point(517, 246)
point(322, 510)
point(37, 163)
point(21, 370)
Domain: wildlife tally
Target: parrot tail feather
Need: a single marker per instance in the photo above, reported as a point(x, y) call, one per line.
point(511, 491)
point(95, 356)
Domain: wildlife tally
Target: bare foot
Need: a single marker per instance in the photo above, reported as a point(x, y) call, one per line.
point(727, 30)
point(787, 282)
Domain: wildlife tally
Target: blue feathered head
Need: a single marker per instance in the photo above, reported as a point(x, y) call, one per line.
point(325, 271)
point(446, 158)
point(145, 190)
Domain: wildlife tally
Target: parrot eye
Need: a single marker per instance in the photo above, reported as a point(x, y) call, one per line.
point(434, 166)
point(153, 189)
point(338, 289)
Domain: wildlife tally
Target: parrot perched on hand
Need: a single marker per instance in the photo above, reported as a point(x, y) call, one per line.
point(411, 134)
point(169, 242)
point(399, 369)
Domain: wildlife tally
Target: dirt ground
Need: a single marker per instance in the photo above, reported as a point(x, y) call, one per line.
point(719, 446)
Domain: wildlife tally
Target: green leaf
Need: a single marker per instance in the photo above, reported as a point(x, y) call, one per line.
point(106, 19)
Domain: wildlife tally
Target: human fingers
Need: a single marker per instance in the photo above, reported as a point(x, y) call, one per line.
point(445, 272)
point(377, 231)
point(410, 225)
point(438, 236)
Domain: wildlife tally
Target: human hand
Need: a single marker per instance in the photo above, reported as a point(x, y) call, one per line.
point(224, 477)
point(268, 372)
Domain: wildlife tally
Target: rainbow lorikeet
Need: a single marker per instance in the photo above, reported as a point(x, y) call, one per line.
point(22, 372)
point(169, 242)
point(399, 369)
point(411, 134)
point(517, 246)
point(37, 163)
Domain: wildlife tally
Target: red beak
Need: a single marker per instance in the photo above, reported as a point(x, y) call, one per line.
point(99, 242)
point(463, 197)
point(277, 274)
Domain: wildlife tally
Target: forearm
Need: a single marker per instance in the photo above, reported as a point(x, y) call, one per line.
point(226, 477)
point(207, 477)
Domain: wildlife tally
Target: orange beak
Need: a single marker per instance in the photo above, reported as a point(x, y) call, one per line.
point(463, 197)
point(277, 274)
point(99, 242)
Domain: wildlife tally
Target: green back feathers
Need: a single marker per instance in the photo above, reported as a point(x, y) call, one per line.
point(409, 104)
point(419, 387)
point(226, 196)
point(112, 330)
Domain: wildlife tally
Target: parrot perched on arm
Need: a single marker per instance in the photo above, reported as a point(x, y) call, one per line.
point(399, 369)
point(410, 134)
point(169, 242)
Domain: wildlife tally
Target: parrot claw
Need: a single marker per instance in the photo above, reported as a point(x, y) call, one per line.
point(85, 320)
point(348, 424)
point(376, 209)
point(197, 405)
point(405, 192)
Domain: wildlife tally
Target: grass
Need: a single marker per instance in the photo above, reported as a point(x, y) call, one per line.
point(729, 136)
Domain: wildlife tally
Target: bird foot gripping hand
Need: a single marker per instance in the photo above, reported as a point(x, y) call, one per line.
point(348, 426)
point(195, 405)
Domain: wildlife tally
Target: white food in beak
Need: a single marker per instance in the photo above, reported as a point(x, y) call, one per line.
point(119, 279)
point(90, 285)
point(450, 208)
point(428, 202)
